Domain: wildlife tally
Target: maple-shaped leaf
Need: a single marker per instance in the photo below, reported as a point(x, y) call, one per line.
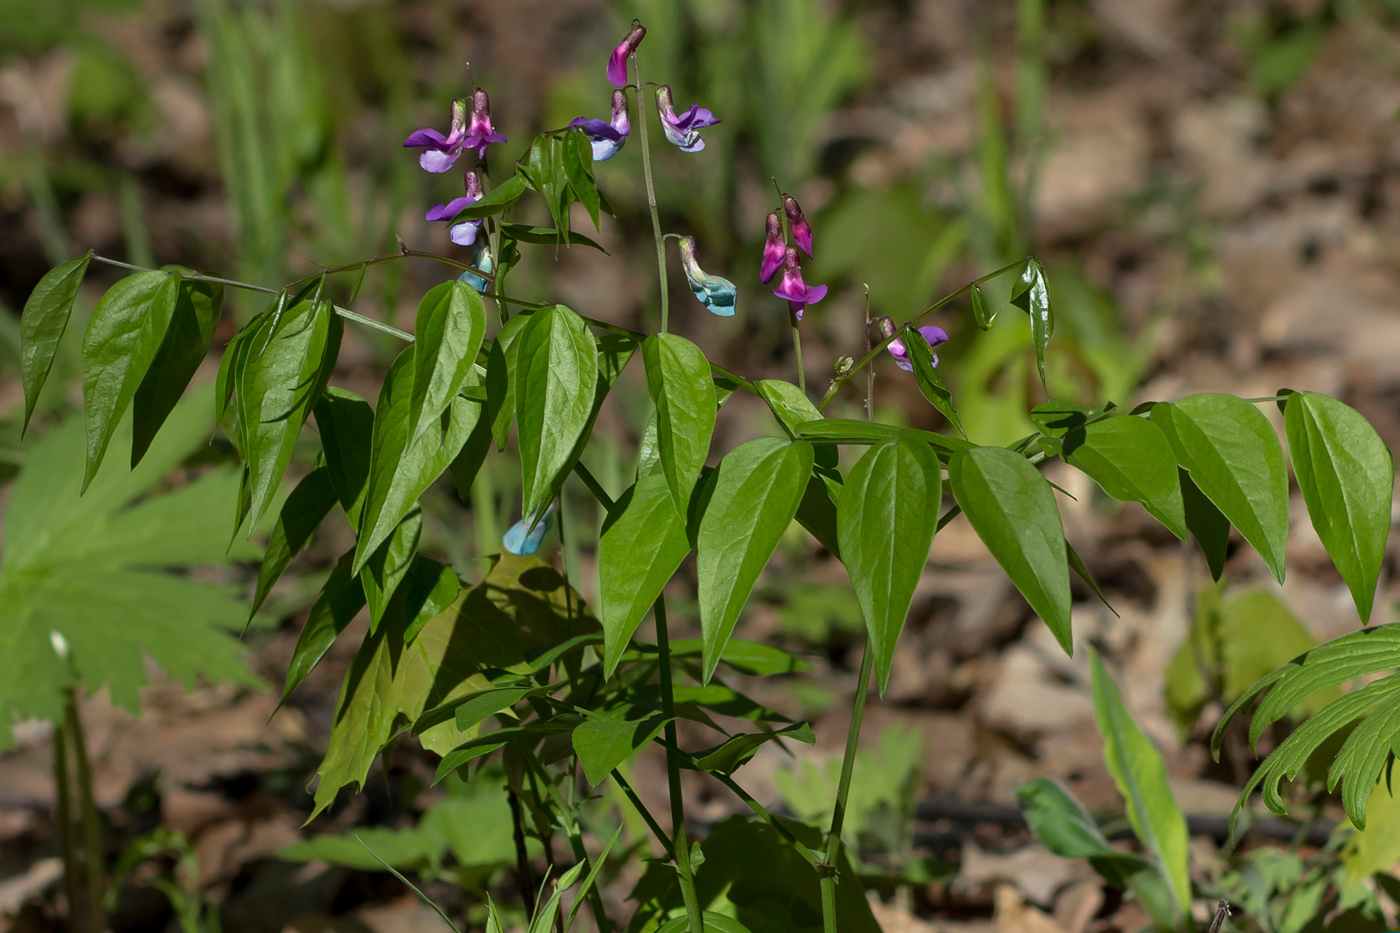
point(93, 572)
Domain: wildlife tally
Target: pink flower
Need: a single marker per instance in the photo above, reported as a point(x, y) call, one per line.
point(797, 292)
point(463, 234)
point(617, 62)
point(441, 151)
point(480, 134)
point(801, 230)
point(773, 248)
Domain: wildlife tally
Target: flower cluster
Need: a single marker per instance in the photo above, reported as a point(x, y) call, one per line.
point(440, 152)
point(778, 254)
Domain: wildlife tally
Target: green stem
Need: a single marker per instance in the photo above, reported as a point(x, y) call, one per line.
point(839, 381)
point(651, 198)
point(641, 808)
point(64, 817)
point(843, 791)
point(797, 348)
point(681, 846)
point(92, 831)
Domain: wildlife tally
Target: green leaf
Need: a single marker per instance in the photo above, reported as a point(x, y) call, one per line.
point(494, 201)
point(471, 709)
point(756, 490)
point(678, 377)
point(446, 337)
point(1133, 461)
point(793, 409)
point(604, 741)
point(1081, 570)
point(342, 597)
point(41, 326)
point(734, 752)
point(1141, 778)
point(851, 431)
point(981, 311)
point(1346, 475)
point(643, 543)
point(1031, 296)
point(307, 506)
point(401, 470)
point(747, 657)
point(578, 166)
point(279, 376)
point(84, 568)
point(501, 375)
point(524, 233)
point(817, 511)
point(1234, 457)
point(228, 365)
point(719, 923)
point(930, 383)
point(122, 338)
point(885, 522)
point(182, 350)
point(346, 424)
point(388, 565)
point(1208, 526)
point(556, 364)
point(1010, 506)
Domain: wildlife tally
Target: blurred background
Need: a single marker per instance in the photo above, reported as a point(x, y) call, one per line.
point(1213, 188)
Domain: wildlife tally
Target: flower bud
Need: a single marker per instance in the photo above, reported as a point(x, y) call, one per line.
point(617, 62)
point(801, 230)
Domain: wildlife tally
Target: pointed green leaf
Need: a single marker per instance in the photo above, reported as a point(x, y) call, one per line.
point(501, 376)
point(307, 506)
point(734, 752)
point(342, 597)
point(643, 543)
point(122, 338)
point(981, 311)
point(1141, 777)
point(1210, 528)
point(346, 425)
point(817, 511)
point(399, 470)
point(494, 201)
point(794, 410)
point(930, 383)
point(182, 350)
point(1012, 509)
point(388, 565)
point(1133, 461)
point(578, 165)
point(1031, 295)
point(548, 236)
point(885, 522)
point(556, 364)
point(1234, 457)
point(279, 377)
point(228, 365)
point(756, 490)
point(602, 742)
point(1347, 476)
point(678, 377)
point(446, 337)
point(41, 325)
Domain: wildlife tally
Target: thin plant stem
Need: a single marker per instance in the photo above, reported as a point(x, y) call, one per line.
point(651, 199)
point(525, 878)
point(843, 791)
point(839, 381)
point(92, 832)
point(641, 808)
point(797, 348)
point(64, 817)
point(869, 367)
point(681, 846)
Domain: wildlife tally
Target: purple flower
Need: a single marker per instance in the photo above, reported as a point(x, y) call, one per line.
point(801, 230)
point(440, 152)
point(607, 138)
point(617, 62)
point(683, 130)
point(797, 292)
point(774, 246)
point(882, 327)
point(464, 233)
point(718, 295)
point(479, 132)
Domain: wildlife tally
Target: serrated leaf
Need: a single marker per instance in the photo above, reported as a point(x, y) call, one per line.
point(122, 338)
point(1235, 459)
point(307, 506)
point(556, 364)
point(930, 383)
point(756, 490)
point(1132, 460)
point(401, 470)
point(678, 378)
point(1347, 476)
point(182, 350)
point(1012, 509)
point(1141, 778)
point(1031, 295)
point(280, 375)
point(447, 334)
point(42, 324)
point(885, 523)
point(643, 543)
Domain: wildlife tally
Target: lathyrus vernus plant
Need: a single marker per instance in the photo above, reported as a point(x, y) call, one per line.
point(515, 666)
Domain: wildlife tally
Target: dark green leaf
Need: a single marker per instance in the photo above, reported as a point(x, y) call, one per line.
point(1210, 528)
point(1141, 777)
point(734, 752)
point(340, 601)
point(1031, 296)
point(524, 233)
point(41, 325)
point(346, 424)
point(756, 490)
point(885, 521)
point(578, 165)
point(930, 383)
point(817, 511)
point(556, 364)
point(501, 376)
point(446, 337)
point(122, 338)
point(1234, 457)
point(181, 352)
point(678, 377)
point(310, 502)
point(1076, 564)
point(1133, 461)
point(388, 565)
point(1346, 475)
point(1012, 509)
point(747, 657)
point(494, 201)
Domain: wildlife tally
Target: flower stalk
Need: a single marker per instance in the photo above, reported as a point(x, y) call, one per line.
point(651, 198)
point(843, 793)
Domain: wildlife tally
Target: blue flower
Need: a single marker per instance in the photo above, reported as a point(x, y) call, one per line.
point(483, 260)
point(716, 294)
point(524, 536)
